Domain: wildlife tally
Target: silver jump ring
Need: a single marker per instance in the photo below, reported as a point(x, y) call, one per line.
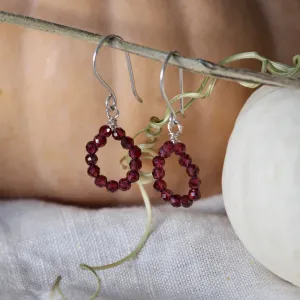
point(174, 135)
point(173, 124)
point(110, 103)
point(111, 107)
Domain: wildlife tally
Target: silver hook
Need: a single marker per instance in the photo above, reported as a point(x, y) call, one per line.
point(162, 85)
point(130, 71)
point(172, 118)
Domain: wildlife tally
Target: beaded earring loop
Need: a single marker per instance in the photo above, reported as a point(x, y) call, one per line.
point(179, 149)
point(112, 129)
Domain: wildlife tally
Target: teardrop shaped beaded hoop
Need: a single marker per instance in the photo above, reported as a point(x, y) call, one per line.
point(184, 160)
point(100, 140)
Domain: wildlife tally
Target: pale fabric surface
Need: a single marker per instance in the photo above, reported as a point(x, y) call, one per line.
point(193, 254)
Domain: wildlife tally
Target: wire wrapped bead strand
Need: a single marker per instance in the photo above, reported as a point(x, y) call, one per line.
point(100, 140)
point(179, 149)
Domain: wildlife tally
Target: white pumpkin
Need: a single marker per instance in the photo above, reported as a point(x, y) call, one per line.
point(261, 180)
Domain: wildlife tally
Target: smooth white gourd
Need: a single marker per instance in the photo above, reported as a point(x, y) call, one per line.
point(261, 180)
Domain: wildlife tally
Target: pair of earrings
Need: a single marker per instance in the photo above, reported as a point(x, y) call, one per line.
point(173, 145)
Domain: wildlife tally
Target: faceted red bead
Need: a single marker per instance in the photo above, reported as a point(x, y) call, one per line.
point(166, 195)
point(185, 160)
point(91, 159)
point(160, 185)
point(135, 152)
point(100, 140)
point(158, 162)
point(91, 147)
point(118, 133)
point(179, 148)
point(175, 200)
point(168, 146)
point(192, 170)
point(163, 153)
point(127, 142)
point(158, 173)
point(112, 186)
point(135, 164)
point(186, 201)
point(93, 171)
point(132, 176)
point(194, 183)
point(105, 130)
point(124, 184)
point(194, 194)
point(101, 181)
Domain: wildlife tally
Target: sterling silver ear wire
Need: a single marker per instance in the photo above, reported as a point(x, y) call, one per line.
point(172, 119)
point(174, 146)
point(112, 129)
point(111, 100)
point(162, 83)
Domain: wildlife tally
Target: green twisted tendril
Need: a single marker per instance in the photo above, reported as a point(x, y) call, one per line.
point(153, 131)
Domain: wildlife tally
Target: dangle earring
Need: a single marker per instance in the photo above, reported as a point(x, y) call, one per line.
point(112, 129)
point(179, 149)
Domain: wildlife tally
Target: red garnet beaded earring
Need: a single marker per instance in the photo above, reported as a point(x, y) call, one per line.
point(112, 129)
point(179, 149)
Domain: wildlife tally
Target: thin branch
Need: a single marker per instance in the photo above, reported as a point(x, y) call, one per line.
point(193, 65)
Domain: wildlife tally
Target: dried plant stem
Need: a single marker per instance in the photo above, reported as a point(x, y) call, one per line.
point(190, 64)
